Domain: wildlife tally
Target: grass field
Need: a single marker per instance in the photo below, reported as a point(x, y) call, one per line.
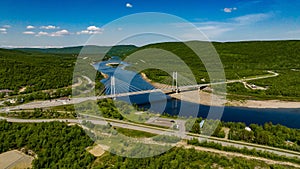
point(134, 133)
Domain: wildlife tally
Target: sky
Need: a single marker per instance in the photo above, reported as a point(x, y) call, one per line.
point(57, 23)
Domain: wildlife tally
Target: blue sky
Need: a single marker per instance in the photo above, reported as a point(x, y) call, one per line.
point(59, 23)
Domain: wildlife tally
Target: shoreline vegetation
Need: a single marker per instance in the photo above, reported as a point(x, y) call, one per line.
point(206, 99)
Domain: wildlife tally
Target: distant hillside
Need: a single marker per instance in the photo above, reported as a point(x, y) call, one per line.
point(244, 59)
point(40, 67)
point(35, 70)
point(115, 50)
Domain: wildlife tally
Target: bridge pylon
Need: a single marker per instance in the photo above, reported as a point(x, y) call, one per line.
point(113, 87)
point(175, 82)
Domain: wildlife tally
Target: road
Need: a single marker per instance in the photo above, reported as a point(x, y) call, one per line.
point(272, 74)
point(47, 103)
point(158, 130)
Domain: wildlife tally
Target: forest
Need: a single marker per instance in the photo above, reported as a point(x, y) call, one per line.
point(41, 114)
point(56, 144)
point(244, 59)
point(268, 134)
point(245, 151)
point(180, 158)
point(40, 69)
point(35, 71)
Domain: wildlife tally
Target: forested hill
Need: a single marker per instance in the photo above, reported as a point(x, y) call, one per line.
point(115, 50)
point(39, 69)
point(241, 58)
point(244, 59)
point(52, 68)
point(34, 70)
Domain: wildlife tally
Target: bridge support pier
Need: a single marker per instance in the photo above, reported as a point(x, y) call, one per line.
point(175, 82)
point(113, 87)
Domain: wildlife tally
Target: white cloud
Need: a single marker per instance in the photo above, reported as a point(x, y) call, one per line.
point(6, 26)
point(229, 10)
point(91, 30)
point(217, 30)
point(30, 27)
point(128, 5)
point(54, 34)
point(252, 18)
point(60, 33)
point(42, 33)
point(214, 31)
point(29, 33)
point(83, 32)
point(119, 29)
point(49, 27)
point(3, 30)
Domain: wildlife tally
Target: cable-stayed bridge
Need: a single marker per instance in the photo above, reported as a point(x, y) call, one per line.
point(115, 87)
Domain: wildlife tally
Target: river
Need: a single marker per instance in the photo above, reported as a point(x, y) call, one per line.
point(286, 117)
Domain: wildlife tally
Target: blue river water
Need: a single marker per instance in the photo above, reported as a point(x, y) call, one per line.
point(286, 117)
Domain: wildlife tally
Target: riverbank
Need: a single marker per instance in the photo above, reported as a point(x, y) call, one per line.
point(265, 104)
point(215, 100)
point(155, 84)
point(104, 75)
point(205, 98)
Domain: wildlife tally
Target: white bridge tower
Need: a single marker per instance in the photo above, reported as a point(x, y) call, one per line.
point(175, 82)
point(113, 86)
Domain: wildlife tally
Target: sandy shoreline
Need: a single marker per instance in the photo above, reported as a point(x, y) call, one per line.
point(104, 75)
point(206, 98)
point(266, 104)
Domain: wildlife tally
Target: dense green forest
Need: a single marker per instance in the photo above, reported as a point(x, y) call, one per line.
point(35, 71)
point(40, 95)
point(56, 144)
point(117, 50)
point(267, 134)
point(41, 114)
point(39, 69)
point(246, 151)
point(180, 158)
point(244, 59)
